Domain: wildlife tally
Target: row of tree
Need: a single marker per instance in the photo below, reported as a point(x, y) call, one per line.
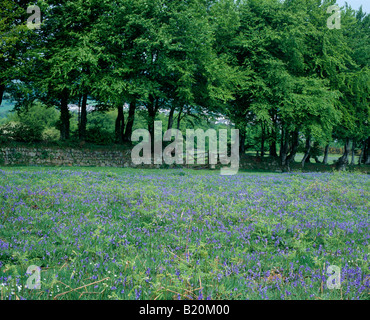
point(270, 66)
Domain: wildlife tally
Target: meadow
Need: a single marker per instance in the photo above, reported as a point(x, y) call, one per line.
point(182, 234)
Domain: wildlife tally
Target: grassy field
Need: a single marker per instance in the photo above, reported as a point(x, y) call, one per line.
point(182, 234)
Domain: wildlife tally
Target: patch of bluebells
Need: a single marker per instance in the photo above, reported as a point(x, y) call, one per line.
point(198, 236)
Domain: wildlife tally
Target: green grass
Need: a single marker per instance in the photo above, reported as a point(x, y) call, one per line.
point(112, 233)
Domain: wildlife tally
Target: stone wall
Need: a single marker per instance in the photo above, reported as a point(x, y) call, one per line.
point(64, 157)
point(84, 157)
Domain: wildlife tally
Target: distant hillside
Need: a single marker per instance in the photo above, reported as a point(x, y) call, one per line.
point(5, 107)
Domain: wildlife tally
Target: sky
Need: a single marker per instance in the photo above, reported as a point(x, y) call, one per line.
point(355, 4)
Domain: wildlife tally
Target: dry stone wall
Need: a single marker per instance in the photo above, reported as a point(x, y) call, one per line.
point(64, 157)
point(83, 157)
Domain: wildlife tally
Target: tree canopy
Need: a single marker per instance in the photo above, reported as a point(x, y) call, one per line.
point(270, 67)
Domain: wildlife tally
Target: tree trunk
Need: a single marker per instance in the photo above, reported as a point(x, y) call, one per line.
point(79, 113)
point(343, 160)
point(295, 145)
point(362, 153)
point(2, 90)
point(130, 121)
point(353, 153)
point(240, 125)
point(282, 145)
point(83, 123)
point(242, 138)
point(367, 152)
point(307, 153)
point(263, 141)
point(284, 150)
point(152, 107)
point(170, 117)
point(273, 151)
point(64, 115)
point(326, 152)
point(273, 137)
point(120, 124)
point(179, 118)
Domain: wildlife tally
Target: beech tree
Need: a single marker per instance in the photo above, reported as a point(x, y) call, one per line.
point(14, 36)
point(355, 88)
point(273, 68)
